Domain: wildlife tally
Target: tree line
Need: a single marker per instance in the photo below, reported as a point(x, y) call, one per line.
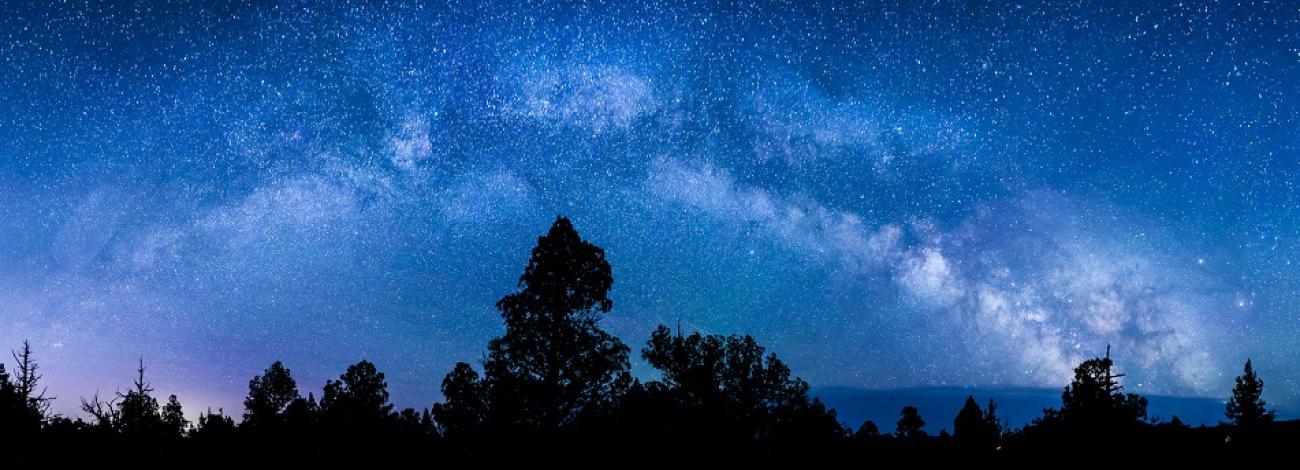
point(555, 386)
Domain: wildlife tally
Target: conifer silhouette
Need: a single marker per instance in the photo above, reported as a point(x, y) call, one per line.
point(137, 410)
point(1245, 408)
point(173, 418)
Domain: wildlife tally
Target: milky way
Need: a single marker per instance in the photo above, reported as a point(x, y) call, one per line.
point(885, 194)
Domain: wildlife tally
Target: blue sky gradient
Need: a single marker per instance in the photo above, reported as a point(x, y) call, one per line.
point(887, 194)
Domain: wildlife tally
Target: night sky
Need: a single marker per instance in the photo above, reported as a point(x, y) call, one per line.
point(889, 194)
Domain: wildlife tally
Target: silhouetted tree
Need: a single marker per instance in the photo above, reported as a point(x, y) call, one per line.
point(269, 395)
point(731, 380)
point(27, 382)
point(969, 420)
point(553, 364)
point(868, 436)
point(1245, 408)
point(910, 425)
point(868, 430)
point(214, 426)
point(16, 418)
point(413, 424)
point(994, 425)
point(22, 407)
point(1095, 388)
point(1094, 400)
point(976, 429)
point(105, 412)
point(302, 415)
point(60, 429)
point(1094, 413)
point(555, 377)
point(358, 401)
point(137, 410)
point(465, 407)
point(173, 418)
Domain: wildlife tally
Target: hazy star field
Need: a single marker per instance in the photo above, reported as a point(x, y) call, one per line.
point(886, 194)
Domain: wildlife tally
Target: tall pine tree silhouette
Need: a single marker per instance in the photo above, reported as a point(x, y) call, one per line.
point(977, 430)
point(1245, 408)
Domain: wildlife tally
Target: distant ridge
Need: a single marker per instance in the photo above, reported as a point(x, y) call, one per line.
point(1019, 405)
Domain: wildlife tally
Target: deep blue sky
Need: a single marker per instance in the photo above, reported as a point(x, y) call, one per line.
point(886, 194)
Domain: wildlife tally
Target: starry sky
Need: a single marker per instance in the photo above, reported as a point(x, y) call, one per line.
point(886, 194)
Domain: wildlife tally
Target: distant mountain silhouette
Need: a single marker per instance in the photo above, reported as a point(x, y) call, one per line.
point(1018, 405)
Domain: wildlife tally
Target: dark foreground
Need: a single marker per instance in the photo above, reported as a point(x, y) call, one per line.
point(556, 388)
